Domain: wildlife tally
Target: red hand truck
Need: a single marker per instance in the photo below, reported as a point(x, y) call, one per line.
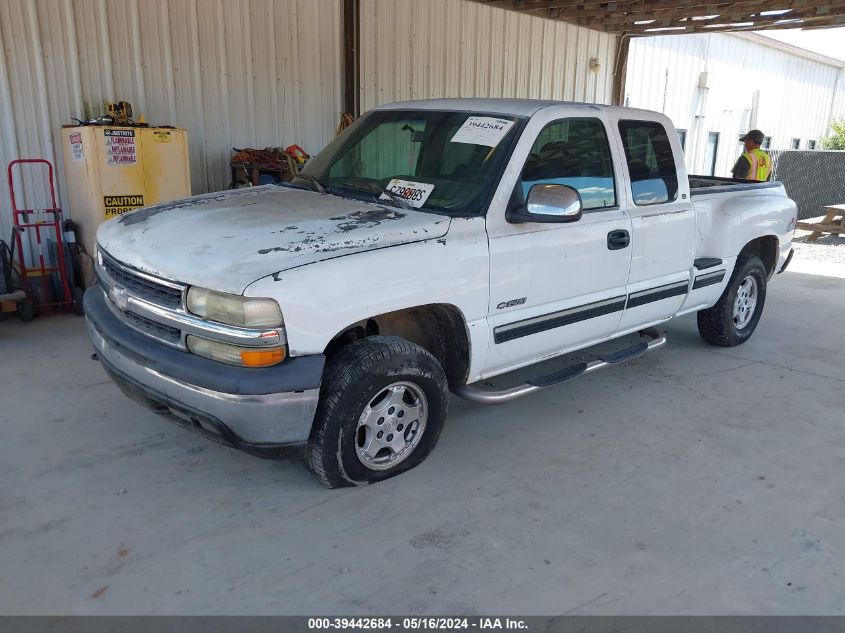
point(41, 222)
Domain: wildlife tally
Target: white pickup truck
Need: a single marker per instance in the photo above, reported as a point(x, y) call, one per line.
point(429, 247)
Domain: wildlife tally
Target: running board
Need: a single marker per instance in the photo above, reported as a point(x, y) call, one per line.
point(486, 396)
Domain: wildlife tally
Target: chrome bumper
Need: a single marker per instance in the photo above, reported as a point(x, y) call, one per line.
point(256, 423)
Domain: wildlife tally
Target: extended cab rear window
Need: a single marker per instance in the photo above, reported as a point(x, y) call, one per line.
point(651, 162)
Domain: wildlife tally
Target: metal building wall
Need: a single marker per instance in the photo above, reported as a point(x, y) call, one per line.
point(247, 73)
point(449, 48)
point(266, 72)
point(796, 91)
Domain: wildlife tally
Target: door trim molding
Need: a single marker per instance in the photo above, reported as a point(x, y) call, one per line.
point(708, 279)
point(657, 293)
point(535, 325)
point(553, 320)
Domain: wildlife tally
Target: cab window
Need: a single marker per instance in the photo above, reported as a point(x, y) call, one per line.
point(573, 152)
point(651, 162)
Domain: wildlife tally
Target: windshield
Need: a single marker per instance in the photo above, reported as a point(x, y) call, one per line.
point(425, 159)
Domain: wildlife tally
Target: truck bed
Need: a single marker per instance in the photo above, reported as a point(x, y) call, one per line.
point(700, 185)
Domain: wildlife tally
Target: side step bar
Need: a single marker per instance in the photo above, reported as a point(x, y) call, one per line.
point(486, 396)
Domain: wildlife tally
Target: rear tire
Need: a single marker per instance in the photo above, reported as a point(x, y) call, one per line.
point(382, 405)
point(734, 318)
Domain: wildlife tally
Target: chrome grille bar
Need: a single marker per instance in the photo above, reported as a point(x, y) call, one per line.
point(169, 324)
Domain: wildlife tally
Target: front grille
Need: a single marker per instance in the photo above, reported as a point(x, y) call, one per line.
point(160, 331)
point(142, 287)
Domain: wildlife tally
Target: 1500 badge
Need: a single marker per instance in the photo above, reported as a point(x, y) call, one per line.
point(511, 303)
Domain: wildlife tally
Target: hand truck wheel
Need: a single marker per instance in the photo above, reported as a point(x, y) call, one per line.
point(25, 310)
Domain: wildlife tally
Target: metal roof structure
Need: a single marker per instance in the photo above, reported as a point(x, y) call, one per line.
point(663, 17)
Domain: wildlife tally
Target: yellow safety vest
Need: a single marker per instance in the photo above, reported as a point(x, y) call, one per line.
point(761, 164)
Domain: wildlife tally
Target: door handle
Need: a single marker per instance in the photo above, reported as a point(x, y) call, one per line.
point(618, 239)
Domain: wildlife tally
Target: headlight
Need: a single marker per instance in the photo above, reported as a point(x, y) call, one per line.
point(234, 355)
point(233, 309)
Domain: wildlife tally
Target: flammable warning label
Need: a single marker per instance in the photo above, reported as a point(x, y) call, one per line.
point(117, 205)
point(120, 147)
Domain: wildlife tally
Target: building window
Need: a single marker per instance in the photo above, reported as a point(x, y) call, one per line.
point(811, 144)
point(710, 154)
point(767, 142)
point(682, 137)
point(795, 143)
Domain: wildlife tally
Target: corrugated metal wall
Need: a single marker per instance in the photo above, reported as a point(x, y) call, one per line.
point(269, 72)
point(266, 72)
point(444, 48)
point(246, 73)
point(795, 93)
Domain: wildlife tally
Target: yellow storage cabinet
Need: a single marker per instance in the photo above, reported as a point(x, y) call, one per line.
point(112, 170)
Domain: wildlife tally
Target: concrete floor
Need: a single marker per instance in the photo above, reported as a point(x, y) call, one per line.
point(694, 480)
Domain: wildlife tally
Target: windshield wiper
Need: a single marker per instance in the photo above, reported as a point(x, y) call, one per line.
point(371, 186)
point(320, 187)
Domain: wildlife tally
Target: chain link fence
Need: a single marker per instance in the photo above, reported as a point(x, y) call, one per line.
point(813, 179)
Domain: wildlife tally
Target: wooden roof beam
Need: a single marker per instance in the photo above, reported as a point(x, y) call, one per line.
point(718, 26)
point(643, 5)
point(737, 13)
point(743, 6)
point(620, 16)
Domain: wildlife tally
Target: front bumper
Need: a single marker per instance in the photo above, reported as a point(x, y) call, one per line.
point(266, 411)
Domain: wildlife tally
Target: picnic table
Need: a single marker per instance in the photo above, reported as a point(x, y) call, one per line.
point(833, 222)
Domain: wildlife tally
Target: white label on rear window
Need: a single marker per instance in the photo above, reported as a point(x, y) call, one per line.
point(416, 193)
point(482, 130)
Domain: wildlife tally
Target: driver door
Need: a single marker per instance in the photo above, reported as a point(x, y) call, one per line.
point(555, 287)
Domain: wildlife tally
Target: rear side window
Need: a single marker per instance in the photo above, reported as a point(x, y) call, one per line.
point(651, 163)
point(573, 152)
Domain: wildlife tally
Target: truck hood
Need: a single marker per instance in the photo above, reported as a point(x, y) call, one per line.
point(227, 240)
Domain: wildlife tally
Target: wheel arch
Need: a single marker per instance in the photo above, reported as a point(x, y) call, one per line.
point(766, 248)
point(439, 328)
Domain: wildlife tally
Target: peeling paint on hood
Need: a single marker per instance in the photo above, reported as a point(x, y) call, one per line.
point(227, 240)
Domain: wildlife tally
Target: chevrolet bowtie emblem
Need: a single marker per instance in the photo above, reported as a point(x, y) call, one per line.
point(119, 298)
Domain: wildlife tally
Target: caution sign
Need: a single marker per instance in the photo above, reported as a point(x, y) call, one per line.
point(118, 205)
point(120, 147)
point(162, 136)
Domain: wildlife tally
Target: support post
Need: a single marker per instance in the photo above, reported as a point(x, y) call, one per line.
point(351, 57)
point(620, 69)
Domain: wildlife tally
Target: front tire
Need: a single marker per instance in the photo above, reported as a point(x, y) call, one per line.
point(734, 318)
point(382, 405)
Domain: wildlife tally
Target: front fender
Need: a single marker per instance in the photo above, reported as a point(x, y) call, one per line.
point(321, 299)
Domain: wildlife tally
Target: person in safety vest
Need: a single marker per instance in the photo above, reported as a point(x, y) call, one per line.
point(754, 163)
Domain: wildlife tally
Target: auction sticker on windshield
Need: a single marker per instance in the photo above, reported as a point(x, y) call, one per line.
point(482, 130)
point(416, 193)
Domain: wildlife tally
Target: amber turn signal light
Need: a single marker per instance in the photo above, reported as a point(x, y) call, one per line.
point(262, 357)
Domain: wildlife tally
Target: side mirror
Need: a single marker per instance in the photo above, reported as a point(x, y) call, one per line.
point(548, 204)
